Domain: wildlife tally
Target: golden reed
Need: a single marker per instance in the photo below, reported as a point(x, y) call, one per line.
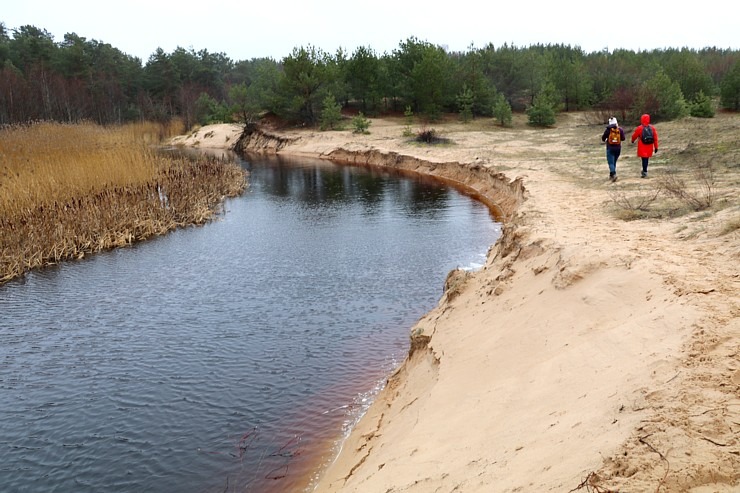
point(70, 190)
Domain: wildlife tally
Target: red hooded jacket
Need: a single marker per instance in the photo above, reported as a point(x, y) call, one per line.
point(645, 150)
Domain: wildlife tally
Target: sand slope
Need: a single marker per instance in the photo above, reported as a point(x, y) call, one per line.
point(590, 353)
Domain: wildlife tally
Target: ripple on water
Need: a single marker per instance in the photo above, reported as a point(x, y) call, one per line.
point(229, 353)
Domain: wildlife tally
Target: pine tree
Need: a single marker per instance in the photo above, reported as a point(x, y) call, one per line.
point(465, 102)
point(331, 115)
point(501, 110)
point(542, 111)
point(661, 98)
point(730, 89)
point(702, 106)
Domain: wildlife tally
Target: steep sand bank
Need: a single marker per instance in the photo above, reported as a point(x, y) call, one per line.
point(589, 353)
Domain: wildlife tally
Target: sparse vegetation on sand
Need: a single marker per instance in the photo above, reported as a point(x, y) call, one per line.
point(696, 171)
point(70, 190)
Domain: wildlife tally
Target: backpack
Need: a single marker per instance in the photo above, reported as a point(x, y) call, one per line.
point(615, 137)
point(647, 135)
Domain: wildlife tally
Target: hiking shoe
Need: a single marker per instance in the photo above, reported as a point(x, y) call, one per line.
point(613, 178)
point(643, 174)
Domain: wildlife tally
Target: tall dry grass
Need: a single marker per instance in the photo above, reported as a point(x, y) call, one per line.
point(69, 190)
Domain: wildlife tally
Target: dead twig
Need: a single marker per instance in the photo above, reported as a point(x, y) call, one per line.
point(712, 441)
point(702, 195)
point(708, 411)
point(590, 484)
point(674, 377)
point(668, 464)
point(635, 202)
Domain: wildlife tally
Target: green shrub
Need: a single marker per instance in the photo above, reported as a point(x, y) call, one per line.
point(360, 124)
point(661, 98)
point(542, 111)
point(501, 110)
point(331, 115)
point(465, 104)
point(541, 114)
point(730, 88)
point(701, 106)
point(208, 110)
point(409, 117)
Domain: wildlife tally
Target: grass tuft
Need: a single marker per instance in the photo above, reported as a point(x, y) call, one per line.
point(731, 226)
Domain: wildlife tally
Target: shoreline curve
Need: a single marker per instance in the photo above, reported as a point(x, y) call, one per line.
point(575, 358)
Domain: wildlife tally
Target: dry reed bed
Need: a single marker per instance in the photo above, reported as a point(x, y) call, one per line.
point(70, 190)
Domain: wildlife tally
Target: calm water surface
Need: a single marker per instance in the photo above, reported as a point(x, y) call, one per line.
point(228, 357)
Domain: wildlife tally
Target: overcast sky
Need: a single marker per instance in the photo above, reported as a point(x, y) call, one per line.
point(272, 28)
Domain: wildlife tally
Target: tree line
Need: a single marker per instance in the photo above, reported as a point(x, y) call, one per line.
point(88, 80)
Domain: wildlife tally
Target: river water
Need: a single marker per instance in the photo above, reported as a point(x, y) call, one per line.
point(232, 356)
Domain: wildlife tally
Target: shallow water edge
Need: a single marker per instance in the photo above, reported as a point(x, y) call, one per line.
point(501, 195)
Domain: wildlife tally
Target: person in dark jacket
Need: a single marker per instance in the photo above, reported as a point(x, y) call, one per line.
point(645, 151)
point(613, 136)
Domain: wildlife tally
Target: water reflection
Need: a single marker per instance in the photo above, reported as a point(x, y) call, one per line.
point(313, 185)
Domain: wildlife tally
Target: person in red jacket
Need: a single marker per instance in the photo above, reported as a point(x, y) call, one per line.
point(645, 149)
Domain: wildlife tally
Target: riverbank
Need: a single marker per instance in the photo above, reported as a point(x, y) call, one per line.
point(590, 352)
point(69, 190)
